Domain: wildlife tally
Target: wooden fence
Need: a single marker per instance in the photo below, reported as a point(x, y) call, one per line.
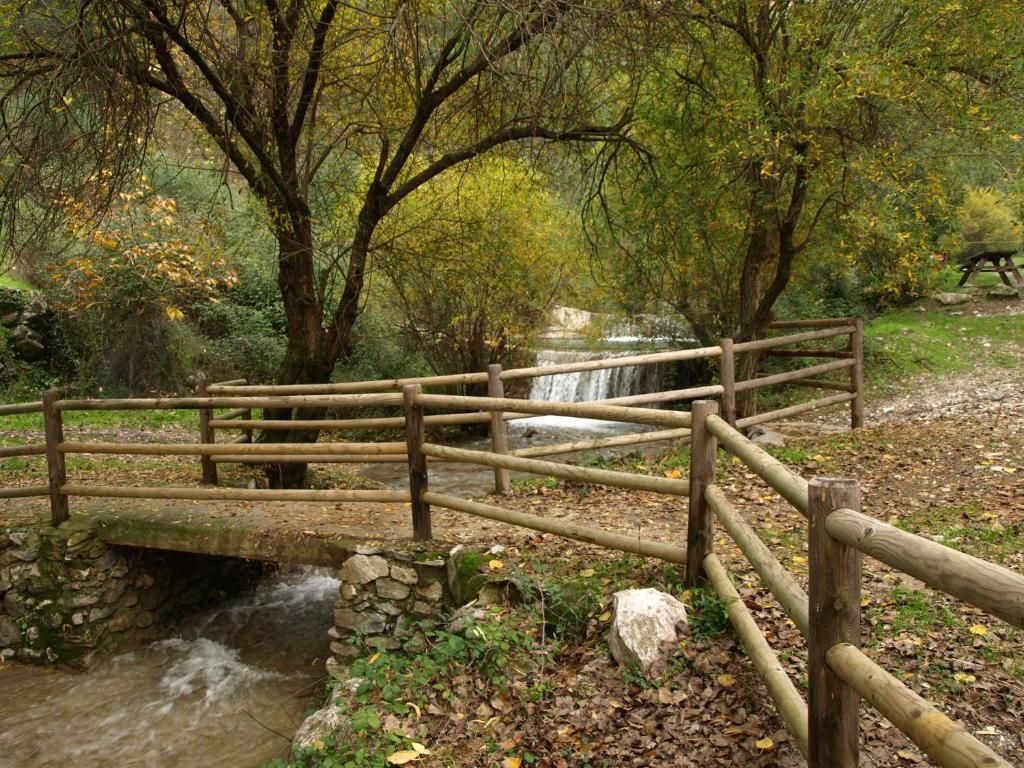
point(839, 672)
point(241, 398)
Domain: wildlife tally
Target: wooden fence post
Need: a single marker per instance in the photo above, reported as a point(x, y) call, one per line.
point(53, 424)
point(499, 431)
point(857, 374)
point(834, 601)
point(415, 436)
point(206, 435)
point(727, 378)
point(700, 520)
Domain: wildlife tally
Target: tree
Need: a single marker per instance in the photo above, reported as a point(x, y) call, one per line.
point(478, 262)
point(299, 97)
point(783, 130)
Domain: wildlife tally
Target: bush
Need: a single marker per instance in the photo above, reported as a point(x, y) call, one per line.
point(985, 222)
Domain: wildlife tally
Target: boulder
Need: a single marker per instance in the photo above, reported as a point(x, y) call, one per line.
point(1002, 291)
point(765, 436)
point(645, 628)
point(27, 344)
point(10, 633)
point(329, 722)
point(362, 569)
point(12, 301)
point(951, 299)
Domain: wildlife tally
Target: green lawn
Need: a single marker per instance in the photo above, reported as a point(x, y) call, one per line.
point(9, 280)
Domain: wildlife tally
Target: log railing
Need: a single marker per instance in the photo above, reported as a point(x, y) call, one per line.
point(826, 726)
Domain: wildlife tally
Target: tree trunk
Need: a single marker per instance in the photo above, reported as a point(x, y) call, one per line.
point(305, 361)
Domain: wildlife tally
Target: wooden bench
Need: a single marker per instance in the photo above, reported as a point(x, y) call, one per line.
point(1000, 262)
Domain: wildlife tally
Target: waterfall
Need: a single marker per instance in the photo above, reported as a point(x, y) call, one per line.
point(592, 385)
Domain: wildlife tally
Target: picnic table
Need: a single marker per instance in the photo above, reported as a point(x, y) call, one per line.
point(1000, 262)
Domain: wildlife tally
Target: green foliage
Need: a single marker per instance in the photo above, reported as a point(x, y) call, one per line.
point(985, 222)
point(475, 262)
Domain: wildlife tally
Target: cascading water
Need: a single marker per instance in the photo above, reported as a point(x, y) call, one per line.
point(583, 386)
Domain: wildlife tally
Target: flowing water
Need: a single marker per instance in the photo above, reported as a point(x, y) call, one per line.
point(229, 689)
point(232, 685)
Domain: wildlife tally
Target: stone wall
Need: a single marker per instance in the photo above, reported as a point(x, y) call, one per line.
point(68, 597)
point(384, 594)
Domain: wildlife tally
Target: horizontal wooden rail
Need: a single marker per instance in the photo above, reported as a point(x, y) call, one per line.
point(634, 438)
point(222, 449)
point(796, 410)
point(794, 338)
point(824, 322)
point(9, 451)
point(775, 577)
point(24, 491)
point(231, 383)
point(569, 530)
point(349, 387)
point(664, 397)
point(229, 494)
point(844, 354)
point(991, 587)
point(945, 741)
point(555, 469)
point(787, 376)
point(823, 384)
point(380, 422)
point(787, 698)
point(16, 408)
point(184, 403)
point(780, 477)
point(545, 408)
point(235, 414)
point(603, 364)
point(244, 438)
point(338, 458)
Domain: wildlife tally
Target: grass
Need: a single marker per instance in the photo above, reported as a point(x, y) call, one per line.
point(909, 342)
point(9, 280)
point(969, 529)
point(105, 420)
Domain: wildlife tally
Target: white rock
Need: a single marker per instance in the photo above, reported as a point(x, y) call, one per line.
point(951, 299)
point(645, 627)
point(331, 721)
point(362, 569)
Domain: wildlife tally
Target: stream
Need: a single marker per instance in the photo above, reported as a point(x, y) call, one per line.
point(231, 686)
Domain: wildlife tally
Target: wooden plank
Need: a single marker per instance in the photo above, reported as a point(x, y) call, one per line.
point(611, 362)
point(381, 422)
point(857, 375)
point(353, 387)
point(944, 740)
point(499, 434)
point(635, 438)
point(9, 451)
point(239, 449)
point(567, 471)
point(787, 376)
point(545, 408)
point(834, 600)
point(24, 491)
point(668, 396)
point(795, 338)
point(787, 698)
point(776, 578)
point(230, 494)
point(780, 477)
point(192, 403)
point(386, 458)
point(238, 413)
point(207, 435)
point(16, 408)
point(824, 322)
point(822, 384)
point(727, 378)
point(53, 428)
point(700, 522)
point(795, 410)
point(419, 482)
point(230, 383)
point(565, 528)
point(995, 589)
point(844, 354)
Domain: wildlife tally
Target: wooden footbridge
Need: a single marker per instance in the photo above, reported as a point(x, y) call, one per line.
point(840, 674)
